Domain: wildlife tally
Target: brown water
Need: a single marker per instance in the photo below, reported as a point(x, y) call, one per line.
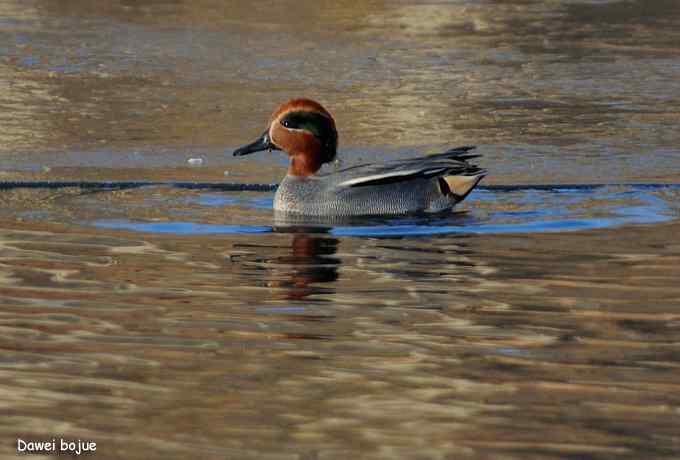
point(164, 322)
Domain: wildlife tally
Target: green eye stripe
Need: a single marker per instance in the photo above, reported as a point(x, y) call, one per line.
point(315, 123)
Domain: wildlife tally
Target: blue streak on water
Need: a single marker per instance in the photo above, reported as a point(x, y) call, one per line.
point(29, 61)
point(190, 228)
point(224, 200)
point(545, 210)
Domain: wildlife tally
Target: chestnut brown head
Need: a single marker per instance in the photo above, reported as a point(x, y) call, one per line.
point(305, 131)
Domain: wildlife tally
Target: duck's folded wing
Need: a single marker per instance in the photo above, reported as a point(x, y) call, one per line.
point(450, 163)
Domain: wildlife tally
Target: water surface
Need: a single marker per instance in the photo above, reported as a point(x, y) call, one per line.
point(538, 321)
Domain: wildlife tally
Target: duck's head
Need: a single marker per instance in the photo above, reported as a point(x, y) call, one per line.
point(304, 130)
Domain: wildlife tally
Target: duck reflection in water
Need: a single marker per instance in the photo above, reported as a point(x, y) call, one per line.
point(310, 262)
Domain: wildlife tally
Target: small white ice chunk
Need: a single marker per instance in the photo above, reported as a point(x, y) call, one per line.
point(195, 161)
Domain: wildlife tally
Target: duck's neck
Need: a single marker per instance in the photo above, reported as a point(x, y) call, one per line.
point(303, 165)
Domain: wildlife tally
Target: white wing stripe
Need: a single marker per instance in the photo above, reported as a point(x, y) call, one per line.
point(400, 173)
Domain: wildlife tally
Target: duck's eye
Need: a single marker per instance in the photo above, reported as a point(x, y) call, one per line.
point(286, 123)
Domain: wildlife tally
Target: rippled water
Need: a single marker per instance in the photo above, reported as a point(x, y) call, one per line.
point(169, 322)
point(514, 209)
point(177, 316)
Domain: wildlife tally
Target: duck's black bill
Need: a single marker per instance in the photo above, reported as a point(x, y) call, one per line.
point(262, 143)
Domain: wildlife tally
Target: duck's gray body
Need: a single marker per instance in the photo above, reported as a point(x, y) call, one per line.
point(426, 184)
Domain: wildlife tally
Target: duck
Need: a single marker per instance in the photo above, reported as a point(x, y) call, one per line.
point(306, 132)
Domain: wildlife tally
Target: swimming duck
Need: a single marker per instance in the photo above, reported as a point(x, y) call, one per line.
point(305, 130)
